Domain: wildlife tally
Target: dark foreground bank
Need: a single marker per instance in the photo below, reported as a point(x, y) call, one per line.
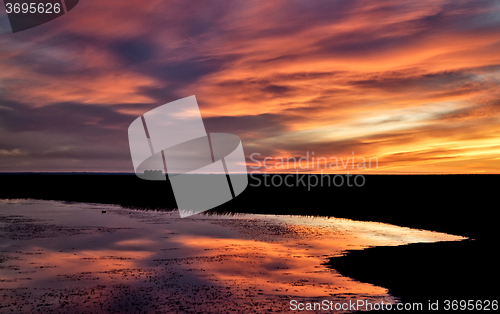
point(456, 204)
point(423, 272)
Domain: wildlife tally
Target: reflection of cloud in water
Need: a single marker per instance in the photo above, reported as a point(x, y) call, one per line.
point(128, 260)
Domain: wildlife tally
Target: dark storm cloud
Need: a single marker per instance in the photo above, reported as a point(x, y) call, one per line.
point(63, 136)
point(66, 118)
point(134, 51)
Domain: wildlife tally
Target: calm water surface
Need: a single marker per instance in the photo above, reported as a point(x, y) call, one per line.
point(71, 257)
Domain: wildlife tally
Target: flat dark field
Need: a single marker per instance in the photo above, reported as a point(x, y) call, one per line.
point(456, 204)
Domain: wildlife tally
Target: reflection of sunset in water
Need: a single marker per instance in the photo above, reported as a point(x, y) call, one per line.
point(292, 262)
point(54, 252)
point(275, 268)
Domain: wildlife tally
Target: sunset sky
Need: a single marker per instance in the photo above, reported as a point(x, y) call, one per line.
point(415, 84)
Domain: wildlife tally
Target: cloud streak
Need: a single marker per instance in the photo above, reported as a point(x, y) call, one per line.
point(413, 83)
